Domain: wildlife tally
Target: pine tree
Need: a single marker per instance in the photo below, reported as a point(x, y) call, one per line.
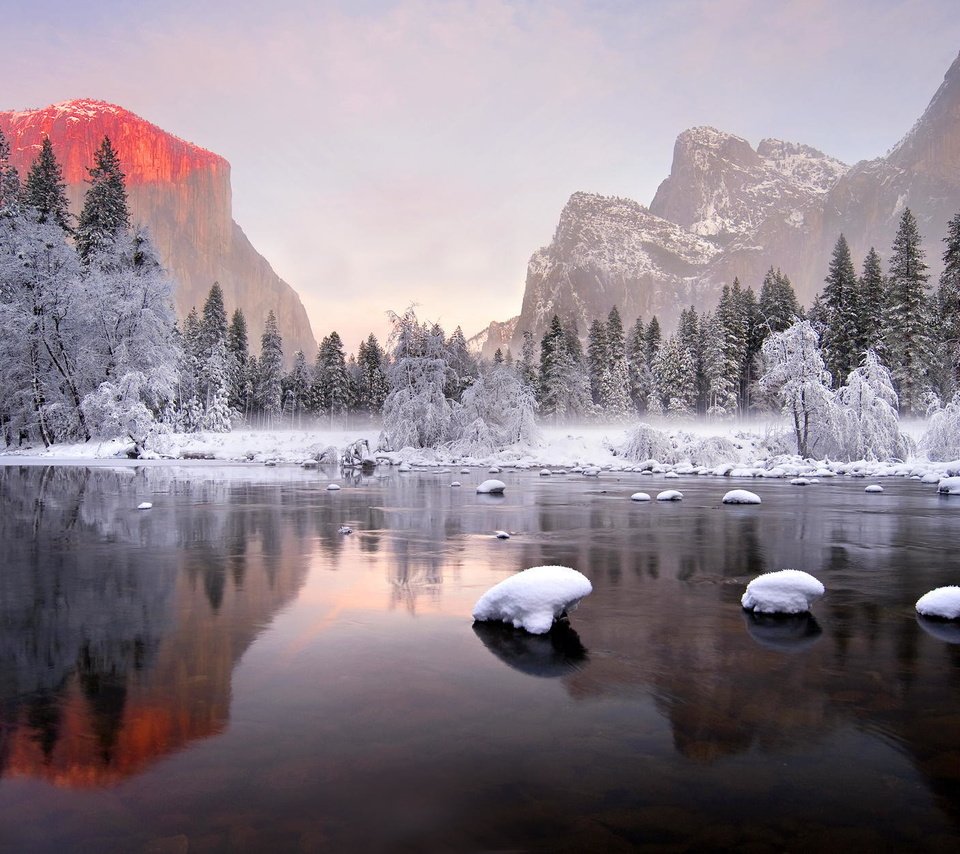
point(675, 378)
point(105, 213)
point(778, 307)
point(873, 289)
point(527, 369)
point(498, 357)
point(10, 190)
point(905, 321)
point(653, 338)
point(270, 371)
point(947, 308)
point(689, 337)
point(238, 349)
point(598, 363)
point(551, 347)
point(45, 190)
point(636, 361)
point(464, 367)
point(331, 381)
point(298, 386)
point(372, 386)
point(841, 306)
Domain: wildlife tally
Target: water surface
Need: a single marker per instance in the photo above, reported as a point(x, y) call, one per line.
point(227, 672)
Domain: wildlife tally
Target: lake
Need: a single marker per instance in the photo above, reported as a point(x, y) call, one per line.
point(227, 672)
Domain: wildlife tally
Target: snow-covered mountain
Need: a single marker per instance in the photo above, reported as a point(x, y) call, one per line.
point(182, 193)
point(727, 210)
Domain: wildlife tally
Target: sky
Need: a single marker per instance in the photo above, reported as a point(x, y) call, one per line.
point(393, 153)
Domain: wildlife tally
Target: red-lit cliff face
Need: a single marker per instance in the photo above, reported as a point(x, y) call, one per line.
point(182, 193)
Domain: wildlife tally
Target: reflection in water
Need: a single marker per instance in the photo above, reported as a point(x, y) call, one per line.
point(118, 643)
point(556, 653)
point(369, 717)
point(783, 632)
point(945, 630)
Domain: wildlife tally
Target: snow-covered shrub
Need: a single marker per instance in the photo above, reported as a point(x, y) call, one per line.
point(942, 439)
point(870, 427)
point(497, 411)
point(645, 443)
point(113, 411)
point(709, 451)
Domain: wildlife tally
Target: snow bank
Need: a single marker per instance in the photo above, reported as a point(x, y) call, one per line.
point(944, 603)
point(491, 487)
point(788, 591)
point(949, 486)
point(741, 496)
point(534, 598)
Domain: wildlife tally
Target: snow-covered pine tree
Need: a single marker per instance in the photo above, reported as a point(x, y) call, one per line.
point(551, 348)
point(497, 412)
point(10, 189)
point(636, 362)
point(947, 315)
point(598, 363)
point(527, 367)
point(720, 371)
point(217, 368)
point(778, 307)
point(239, 350)
point(873, 291)
point(906, 322)
point(689, 337)
point(270, 371)
point(675, 377)
point(617, 403)
point(372, 388)
point(841, 305)
point(298, 387)
point(45, 191)
point(105, 212)
point(463, 364)
point(796, 377)
point(331, 382)
point(498, 356)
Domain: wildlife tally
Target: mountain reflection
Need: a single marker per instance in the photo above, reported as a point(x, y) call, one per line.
point(119, 629)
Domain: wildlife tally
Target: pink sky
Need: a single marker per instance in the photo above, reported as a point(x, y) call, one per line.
point(389, 153)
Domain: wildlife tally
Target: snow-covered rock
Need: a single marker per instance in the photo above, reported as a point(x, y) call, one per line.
point(640, 496)
point(800, 481)
point(534, 598)
point(670, 495)
point(741, 496)
point(491, 487)
point(502, 535)
point(545, 472)
point(944, 602)
point(144, 505)
point(874, 487)
point(949, 486)
point(333, 487)
point(344, 529)
point(787, 591)
point(456, 483)
point(493, 470)
point(592, 471)
point(404, 467)
point(671, 474)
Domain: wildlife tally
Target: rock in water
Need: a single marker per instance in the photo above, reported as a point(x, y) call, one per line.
point(501, 535)
point(787, 591)
point(333, 487)
point(741, 496)
point(944, 603)
point(491, 487)
point(534, 598)
point(144, 505)
point(345, 529)
point(670, 495)
point(874, 487)
point(639, 496)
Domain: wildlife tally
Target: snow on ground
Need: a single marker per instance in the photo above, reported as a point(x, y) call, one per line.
point(534, 598)
point(787, 591)
point(748, 451)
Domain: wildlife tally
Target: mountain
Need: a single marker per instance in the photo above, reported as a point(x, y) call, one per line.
point(182, 193)
point(728, 209)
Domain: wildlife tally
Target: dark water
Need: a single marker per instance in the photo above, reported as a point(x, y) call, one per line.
point(227, 673)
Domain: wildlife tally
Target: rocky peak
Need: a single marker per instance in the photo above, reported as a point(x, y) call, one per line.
point(804, 166)
point(932, 146)
point(182, 193)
